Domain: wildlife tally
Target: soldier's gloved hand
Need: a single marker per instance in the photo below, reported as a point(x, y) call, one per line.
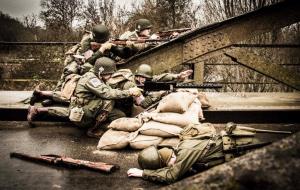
point(135, 172)
point(129, 43)
point(135, 91)
point(182, 75)
point(105, 46)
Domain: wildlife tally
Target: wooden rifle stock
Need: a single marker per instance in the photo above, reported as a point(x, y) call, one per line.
point(67, 162)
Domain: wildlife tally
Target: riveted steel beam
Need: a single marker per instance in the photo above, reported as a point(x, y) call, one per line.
point(263, 66)
point(199, 72)
point(160, 61)
point(209, 39)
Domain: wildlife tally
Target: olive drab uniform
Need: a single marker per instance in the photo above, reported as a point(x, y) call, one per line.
point(123, 79)
point(73, 66)
point(199, 148)
point(133, 35)
point(165, 77)
point(92, 96)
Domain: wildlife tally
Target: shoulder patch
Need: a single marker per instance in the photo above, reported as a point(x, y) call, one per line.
point(95, 82)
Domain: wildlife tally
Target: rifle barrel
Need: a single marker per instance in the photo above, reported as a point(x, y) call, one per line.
point(272, 131)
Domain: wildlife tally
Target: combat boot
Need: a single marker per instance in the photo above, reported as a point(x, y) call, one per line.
point(97, 131)
point(36, 96)
point(33, 112)
point(47, 102)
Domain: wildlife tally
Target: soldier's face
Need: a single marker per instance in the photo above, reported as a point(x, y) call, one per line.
point(141, 80)
point(106, 77)
point(145, 33)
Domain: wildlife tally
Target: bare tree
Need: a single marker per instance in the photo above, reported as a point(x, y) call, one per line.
point(30, 22)
point(59, 16)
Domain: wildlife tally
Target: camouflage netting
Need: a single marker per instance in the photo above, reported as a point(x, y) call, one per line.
point(274, 167)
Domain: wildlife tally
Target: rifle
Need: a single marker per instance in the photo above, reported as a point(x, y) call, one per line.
point(58, 160)
point(242, 148)
point(171, 86)
point(169, 33)
point(96, 45)
point(230, 129)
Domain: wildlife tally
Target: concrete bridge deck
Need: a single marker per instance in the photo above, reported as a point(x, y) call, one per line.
point(239, 107)
point(62, 138)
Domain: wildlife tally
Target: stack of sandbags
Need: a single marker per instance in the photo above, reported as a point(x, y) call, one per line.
point(162, 126)
point(174, 112)
point(118, 135)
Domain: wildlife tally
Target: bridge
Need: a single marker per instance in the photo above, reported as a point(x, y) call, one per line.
point(228, 44)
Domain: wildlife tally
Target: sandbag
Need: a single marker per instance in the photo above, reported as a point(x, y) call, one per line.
point(144, 141)
point(177, 102)
point(190, 116)
point(170, 142)
point(153, 128)
point(195, 112)
point(204, 100)
point(126, 124)
point(112, 139)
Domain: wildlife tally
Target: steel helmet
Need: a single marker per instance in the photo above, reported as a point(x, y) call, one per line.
point(149, 158)
point(100, 33)
point(142, 24)
point(144, 70)
point(105, 65)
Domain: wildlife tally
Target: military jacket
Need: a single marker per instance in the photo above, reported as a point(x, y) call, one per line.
point(198, 144)
point(91, 91)
point(129, 35)
point(165, 77)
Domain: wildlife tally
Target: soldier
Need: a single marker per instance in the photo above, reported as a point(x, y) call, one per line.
point(78, 64)
point(92, 102)
point(124, 79)
point(199, 149)
point(144, 72)
point(99, 34)
point(142, 31)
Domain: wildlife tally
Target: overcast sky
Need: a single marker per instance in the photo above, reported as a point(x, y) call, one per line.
point(20, 8)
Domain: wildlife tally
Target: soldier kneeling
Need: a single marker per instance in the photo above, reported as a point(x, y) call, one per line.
point(92, 99)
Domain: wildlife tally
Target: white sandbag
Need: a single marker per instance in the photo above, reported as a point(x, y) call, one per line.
point(144, 141)
point(204, 100)
point(170, 142)
point(153, 128)
point(112, 139)
point(125, 124)
point(195, 112)
point(190, 116)
point(177, 102)
point(178, 119)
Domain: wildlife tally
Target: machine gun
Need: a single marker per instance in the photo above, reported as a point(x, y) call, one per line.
point(67, 162)
point(171, 86)
point(96, 45)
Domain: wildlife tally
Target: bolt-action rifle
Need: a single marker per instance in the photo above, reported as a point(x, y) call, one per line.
point(170, 33)
point(67, 162)
point(171, 86)
point(96, 45)
point(242, 148)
